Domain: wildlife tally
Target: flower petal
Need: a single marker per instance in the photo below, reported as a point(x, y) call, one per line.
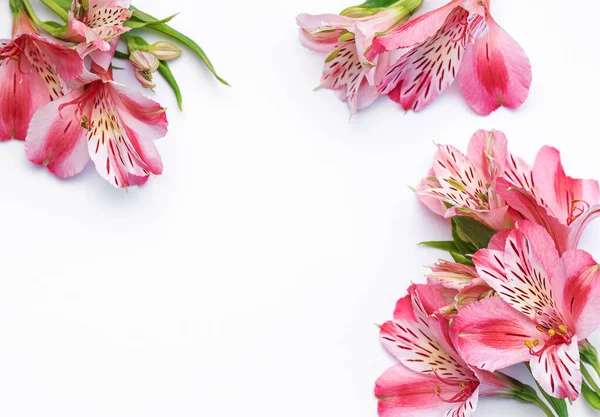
point(488, 151)
point(428, 69)
point(520, 275)
point(495, 72)
point(491, 335)
point(404, 309)
point(579, 300)
point(415, 31)
point(557, 370)
point(21, 94)
point(405, 393)
point(56, 139)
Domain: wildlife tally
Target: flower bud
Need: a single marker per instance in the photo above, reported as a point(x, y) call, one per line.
point(403, 7)
point(144, 64)
point(164, 51)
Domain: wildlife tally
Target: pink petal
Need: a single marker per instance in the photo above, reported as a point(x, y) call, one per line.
point(428, 69)
point(488, 152)
point(404, 309)
point(498, 241)
point(56, 138)
point(579, 299)
point(491, 335)
point(67, 62)
point(557, 370)
point(127, 124)
point(560, 192)
point(415, 31)
point(404, 393)
point(578, 226)
point(495, 72)
point(452, 275)
point(21, 94)
point(323, 43)
point(520, 275)
point(416, 348)
point(434, 203)
point(324, 22)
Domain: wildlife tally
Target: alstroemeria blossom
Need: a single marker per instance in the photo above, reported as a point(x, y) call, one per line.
point(546, 195)
point(112, 124)
point(33, 71)
point(431, 377)
point(96, 26)
point(546, 305)
point(460, 41)
point(346, 40)
point(465, 185)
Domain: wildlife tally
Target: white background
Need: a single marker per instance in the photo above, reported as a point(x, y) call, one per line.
point(248, 278)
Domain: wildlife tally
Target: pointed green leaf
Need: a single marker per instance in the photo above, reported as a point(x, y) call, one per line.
point(591, 396)
point(136, 23)
point(167, 30)
point(165, 71)
point(464, 246)
point(477, 233)
point(445, 246)
point(461, 259)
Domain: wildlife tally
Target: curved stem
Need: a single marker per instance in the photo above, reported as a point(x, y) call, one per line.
point(57, 9)
point(590, 380)
point(544, 408)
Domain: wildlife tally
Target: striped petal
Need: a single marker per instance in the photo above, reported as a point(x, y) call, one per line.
point(557, 370)
point(428, 69)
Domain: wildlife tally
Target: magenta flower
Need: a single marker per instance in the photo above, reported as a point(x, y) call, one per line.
point(431, 377)
point(112, 124)
point(547, 196)
point(459, 40)
point(96, 26)
point(546, 305)
point(347, 40)
point(467, 184)
point(33, 71)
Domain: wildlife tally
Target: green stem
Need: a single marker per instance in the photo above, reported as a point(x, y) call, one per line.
point(544, 408)
point(57, 9)
point(31, 13)
point(590, 379)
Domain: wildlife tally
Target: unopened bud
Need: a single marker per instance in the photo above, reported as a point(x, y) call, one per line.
point(164, 51)
point(144, 64)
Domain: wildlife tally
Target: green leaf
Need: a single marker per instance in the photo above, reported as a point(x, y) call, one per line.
point(447, 246)
point(478, 234)
point(461, 240)
point(136, 23)
point(167, 30)
point(165, 71)
point(461, 259)
point(591, 396)
point(121, 55)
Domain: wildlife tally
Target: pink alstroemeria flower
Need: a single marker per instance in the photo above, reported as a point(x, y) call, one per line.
point(112, 124)
point(96, 26)
point(547, 196)
point(347, 39)
point(431, 378)
point(33, 71)
point(459, 40)
point(546, 305)
point(467, 184)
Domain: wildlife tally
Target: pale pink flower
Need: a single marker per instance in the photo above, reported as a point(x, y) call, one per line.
point(546, 305)
point(465, 185)
point(545, 195)
point(459, 40)
point(144, 65)
point(111, 124)
point(431, 378)
point(347, 41)
point(33, 71)
point(96, 26)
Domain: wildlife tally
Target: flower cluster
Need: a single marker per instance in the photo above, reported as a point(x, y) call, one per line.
point(459, 41)
point(517, 290)
point(57, 93)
